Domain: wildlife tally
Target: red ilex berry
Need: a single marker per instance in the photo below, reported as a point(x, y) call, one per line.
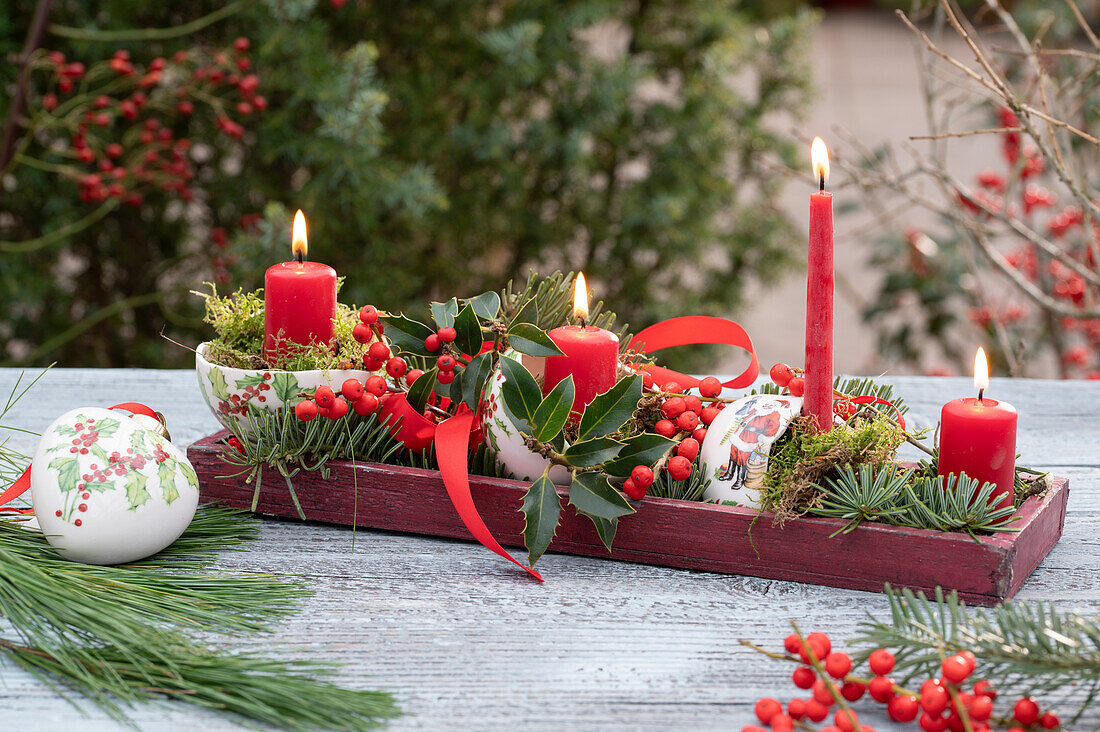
point(692, 403)
point(819, 644)
point(412, 376)
point(710, 387)
point(447, 335)
point(782, 723)
point(903, 708)
point(665, 428)
point(767, 708)
point(679, 468)
point(708, 414)
point(445, 377)
point(822, 694)
point(688, 448)
point(365, 404)
point(673, 387)
point(1049, 721)
point(687, 422)
point(838, 665)
point(981, 708)
point(852, 690)
point(797, 385)
point(446, 363)
point(305, 410)
point(932, 723)
point(368, 315)
point(324, 396)
point(338, 409)
point(881, 662)
point(242, 44)
point(642, 475)
point(792, 644)
point(747, 727)
point(804, 677)
point(816, 711)
point(1026, 711)
point(846, 720)
point(362, 333)
point(984, 688)
point(633, 490)
point(933, 697)
point(396, 367)
point(352, 389)
point(673, 408)
point(432, 343)
point(881, 689)
point(699, 435)
point(375, 385)
point(379, 351)
point(796, 708)
point(957, 668)
point(781, 374)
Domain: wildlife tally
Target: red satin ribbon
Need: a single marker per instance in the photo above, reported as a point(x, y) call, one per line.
point(23, 482)
point(452, 451)
point(691, 330)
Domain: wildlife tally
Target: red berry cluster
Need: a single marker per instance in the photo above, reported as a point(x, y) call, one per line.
point(123, 116)
point(1067, 225)
point(941, 704)
point(789, 378)
point(366, 330)
point(683, 418)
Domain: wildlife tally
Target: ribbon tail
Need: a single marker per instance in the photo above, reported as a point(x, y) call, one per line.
point(452, 449)
point(16, 489)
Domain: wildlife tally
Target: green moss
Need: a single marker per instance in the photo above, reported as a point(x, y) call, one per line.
point(802, 459)
point(238, 323)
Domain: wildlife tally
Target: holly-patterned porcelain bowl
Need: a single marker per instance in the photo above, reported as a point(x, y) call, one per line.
point(228, 391)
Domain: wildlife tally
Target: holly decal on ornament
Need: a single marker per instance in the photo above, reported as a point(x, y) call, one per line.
point(88, 469)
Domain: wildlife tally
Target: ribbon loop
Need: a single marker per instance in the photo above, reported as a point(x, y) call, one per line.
point(692, 330)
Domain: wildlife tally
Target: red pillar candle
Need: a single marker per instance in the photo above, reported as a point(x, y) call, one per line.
point(978, 437)
point(819, 297)
point(299, 300)
point(591, 355)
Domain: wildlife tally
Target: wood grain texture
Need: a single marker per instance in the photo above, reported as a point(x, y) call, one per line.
point(665, 532)
point(467, 643)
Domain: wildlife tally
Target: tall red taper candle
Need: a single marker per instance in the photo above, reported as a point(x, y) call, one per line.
point(819, 297)
point(299, 301)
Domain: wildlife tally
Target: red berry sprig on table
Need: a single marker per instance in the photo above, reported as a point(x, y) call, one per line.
point(941, 704)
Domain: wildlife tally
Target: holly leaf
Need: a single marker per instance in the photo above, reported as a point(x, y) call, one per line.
point(107, 427)
point(541, 510)
point(65, 430)
point(592, 452)
point(468, 328)
point(473, 380)
point(407, 334)
point(188, 473)
point(606, 529)
point(100, 453)
point(137, 441)
point(591, 494)
point(102, 486)
point(68, 469)
point(218, 387)
point(443, 313)
point(553, 412)
point(285, 385)
point(609, 411)
point(253, 380)
point(643, 449)
point(421, 390)
point(136, 492)
point(529, 313)
point(166, 471)
point(486, 305)
point(520, 393)
point(532, 340)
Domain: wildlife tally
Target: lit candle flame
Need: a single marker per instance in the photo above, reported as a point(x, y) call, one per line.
point(819, 157)
point(299, 245)
point(981, 371)
point(580, 299)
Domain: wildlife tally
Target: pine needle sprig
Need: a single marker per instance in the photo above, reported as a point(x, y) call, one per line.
point(957, 503)
point(1026, 647)
point(553, 296)
point(690, 489)
point(875, 494)
point(863, 386)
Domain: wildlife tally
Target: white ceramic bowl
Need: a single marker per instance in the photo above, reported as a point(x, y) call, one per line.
point(229, 391)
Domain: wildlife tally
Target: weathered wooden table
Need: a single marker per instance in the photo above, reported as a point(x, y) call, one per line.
point(467, 641)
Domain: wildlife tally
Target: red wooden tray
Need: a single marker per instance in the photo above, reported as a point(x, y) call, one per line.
point(670, 532)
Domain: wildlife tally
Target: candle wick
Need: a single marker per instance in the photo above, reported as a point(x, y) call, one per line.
point(821, 183)
point(583, 323)
point(981, 392)
point(300, 257)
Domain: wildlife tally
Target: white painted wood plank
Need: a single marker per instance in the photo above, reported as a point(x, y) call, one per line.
point(465, 641)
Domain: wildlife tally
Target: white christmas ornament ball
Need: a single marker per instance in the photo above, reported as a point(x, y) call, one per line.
point(108, 490)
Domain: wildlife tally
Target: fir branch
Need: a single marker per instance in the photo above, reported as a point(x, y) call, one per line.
point(1025, 646)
